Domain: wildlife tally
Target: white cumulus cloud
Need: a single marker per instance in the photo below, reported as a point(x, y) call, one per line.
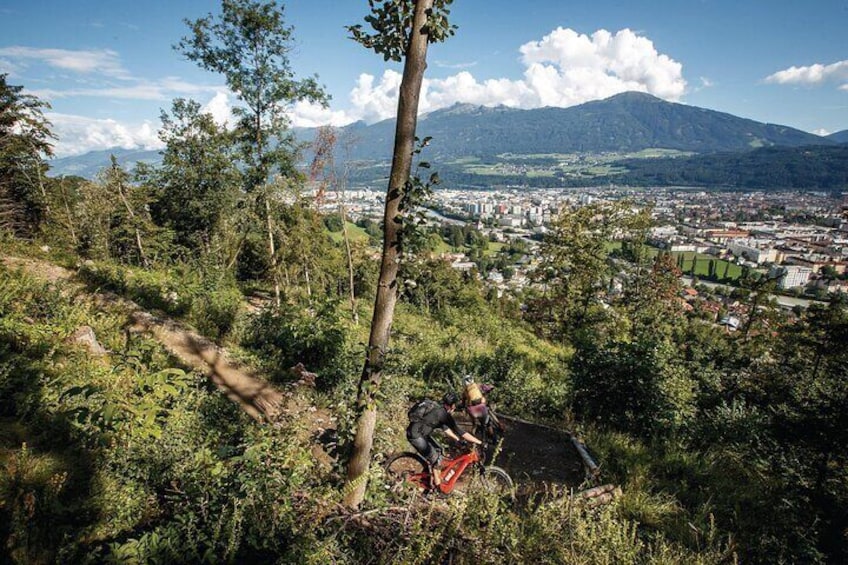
point(563, 69)
point(220, 108)
point(79, 134)
point(812, 74)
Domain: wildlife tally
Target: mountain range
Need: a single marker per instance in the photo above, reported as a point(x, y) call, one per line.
point(626, 122)
point(623, 124)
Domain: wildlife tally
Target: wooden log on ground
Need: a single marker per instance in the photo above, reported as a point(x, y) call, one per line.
point(592, 468)
point(598, 496)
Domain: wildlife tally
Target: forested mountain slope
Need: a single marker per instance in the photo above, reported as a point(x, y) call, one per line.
point(627, 122)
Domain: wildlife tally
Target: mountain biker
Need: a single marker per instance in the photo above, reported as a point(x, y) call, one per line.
point(427, 415)
point(474, 400)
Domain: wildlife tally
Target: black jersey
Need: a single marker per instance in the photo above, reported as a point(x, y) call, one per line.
point(438, 417)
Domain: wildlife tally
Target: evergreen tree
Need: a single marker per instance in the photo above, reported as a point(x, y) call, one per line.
point(25, 140)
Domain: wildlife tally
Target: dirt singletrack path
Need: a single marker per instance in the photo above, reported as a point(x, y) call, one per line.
point(258, 398)
point(255, 396)
point(534, 455)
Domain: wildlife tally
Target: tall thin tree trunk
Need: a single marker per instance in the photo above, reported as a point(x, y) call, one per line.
point(135, 226)
point(271, 247)
point(384, 304)
point(63, 192)
point(263, 181)
point(306, 278)
point(349, 263)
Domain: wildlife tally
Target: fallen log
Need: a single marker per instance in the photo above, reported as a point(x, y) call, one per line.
point(592, 468)
point(598, 496)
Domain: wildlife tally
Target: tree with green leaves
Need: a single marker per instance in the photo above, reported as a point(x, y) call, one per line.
point(198, 184)
point(131, 220)
point(575, 266)
point(25, 141)
point(807, 397)
point(249, 44)
point(323, 170)
point(401, 31)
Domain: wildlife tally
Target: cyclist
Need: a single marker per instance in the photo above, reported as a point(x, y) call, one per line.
point(427, 415)
point(474, 400)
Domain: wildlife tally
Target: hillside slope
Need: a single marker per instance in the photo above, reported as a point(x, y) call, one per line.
point(626, 122)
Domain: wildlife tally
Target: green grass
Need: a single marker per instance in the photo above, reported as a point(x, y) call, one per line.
point(495, 247)
point(724, 270)
point(354, 232)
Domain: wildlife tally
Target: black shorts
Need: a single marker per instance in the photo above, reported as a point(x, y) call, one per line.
point(428, 448)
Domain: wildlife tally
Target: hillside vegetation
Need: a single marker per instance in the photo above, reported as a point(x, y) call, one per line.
point(727, 447)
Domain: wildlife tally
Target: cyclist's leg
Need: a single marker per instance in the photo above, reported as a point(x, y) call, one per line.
point(496, 423)
point(478, 413)
point(435, 460)
point(424, 446)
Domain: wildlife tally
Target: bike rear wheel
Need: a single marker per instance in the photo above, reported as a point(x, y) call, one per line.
point(407, 469)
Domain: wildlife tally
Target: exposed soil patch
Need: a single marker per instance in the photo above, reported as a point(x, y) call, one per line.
point(38, 269)
point(536, 456)
point(540, 454)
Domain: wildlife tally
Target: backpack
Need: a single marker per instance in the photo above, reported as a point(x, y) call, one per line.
point(473, 396)
point(421, 409)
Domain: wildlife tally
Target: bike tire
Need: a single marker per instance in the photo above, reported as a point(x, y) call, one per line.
point(496, 481)
point(401, 467)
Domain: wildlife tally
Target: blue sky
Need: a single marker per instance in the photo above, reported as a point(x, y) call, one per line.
point(107, 67)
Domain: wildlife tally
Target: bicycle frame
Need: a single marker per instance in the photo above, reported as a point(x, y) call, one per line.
point(451, 471)
point(454, 468)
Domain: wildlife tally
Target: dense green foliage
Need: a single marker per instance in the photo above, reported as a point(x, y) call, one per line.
point(24, 144)
point(727, 445)
point(812, 167)
point(691, 421)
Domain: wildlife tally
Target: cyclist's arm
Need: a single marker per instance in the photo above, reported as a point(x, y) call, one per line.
point(453, 432)
point(464, 435)
point(471, 439)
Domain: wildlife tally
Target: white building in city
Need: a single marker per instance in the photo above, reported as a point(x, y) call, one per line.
point(753, 250)
point(791, 276)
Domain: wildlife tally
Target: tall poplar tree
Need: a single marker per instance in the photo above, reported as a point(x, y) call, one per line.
point(249, 44)
point(402, 31)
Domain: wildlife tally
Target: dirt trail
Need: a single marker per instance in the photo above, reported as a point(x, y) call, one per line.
point(254, 395)
point(535, 455)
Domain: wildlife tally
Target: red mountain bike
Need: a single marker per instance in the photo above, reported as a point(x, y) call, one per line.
point(409, 468)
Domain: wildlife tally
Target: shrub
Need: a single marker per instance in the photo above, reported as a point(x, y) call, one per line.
point(215, 309)
point(315, 336)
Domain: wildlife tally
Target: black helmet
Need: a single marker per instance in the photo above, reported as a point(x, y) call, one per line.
point(450, 399)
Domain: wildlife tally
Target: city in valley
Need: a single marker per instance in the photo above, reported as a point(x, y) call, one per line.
point(798, 239)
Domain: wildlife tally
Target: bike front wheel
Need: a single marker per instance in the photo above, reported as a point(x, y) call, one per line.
point(405, 469)
point(496, 481)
